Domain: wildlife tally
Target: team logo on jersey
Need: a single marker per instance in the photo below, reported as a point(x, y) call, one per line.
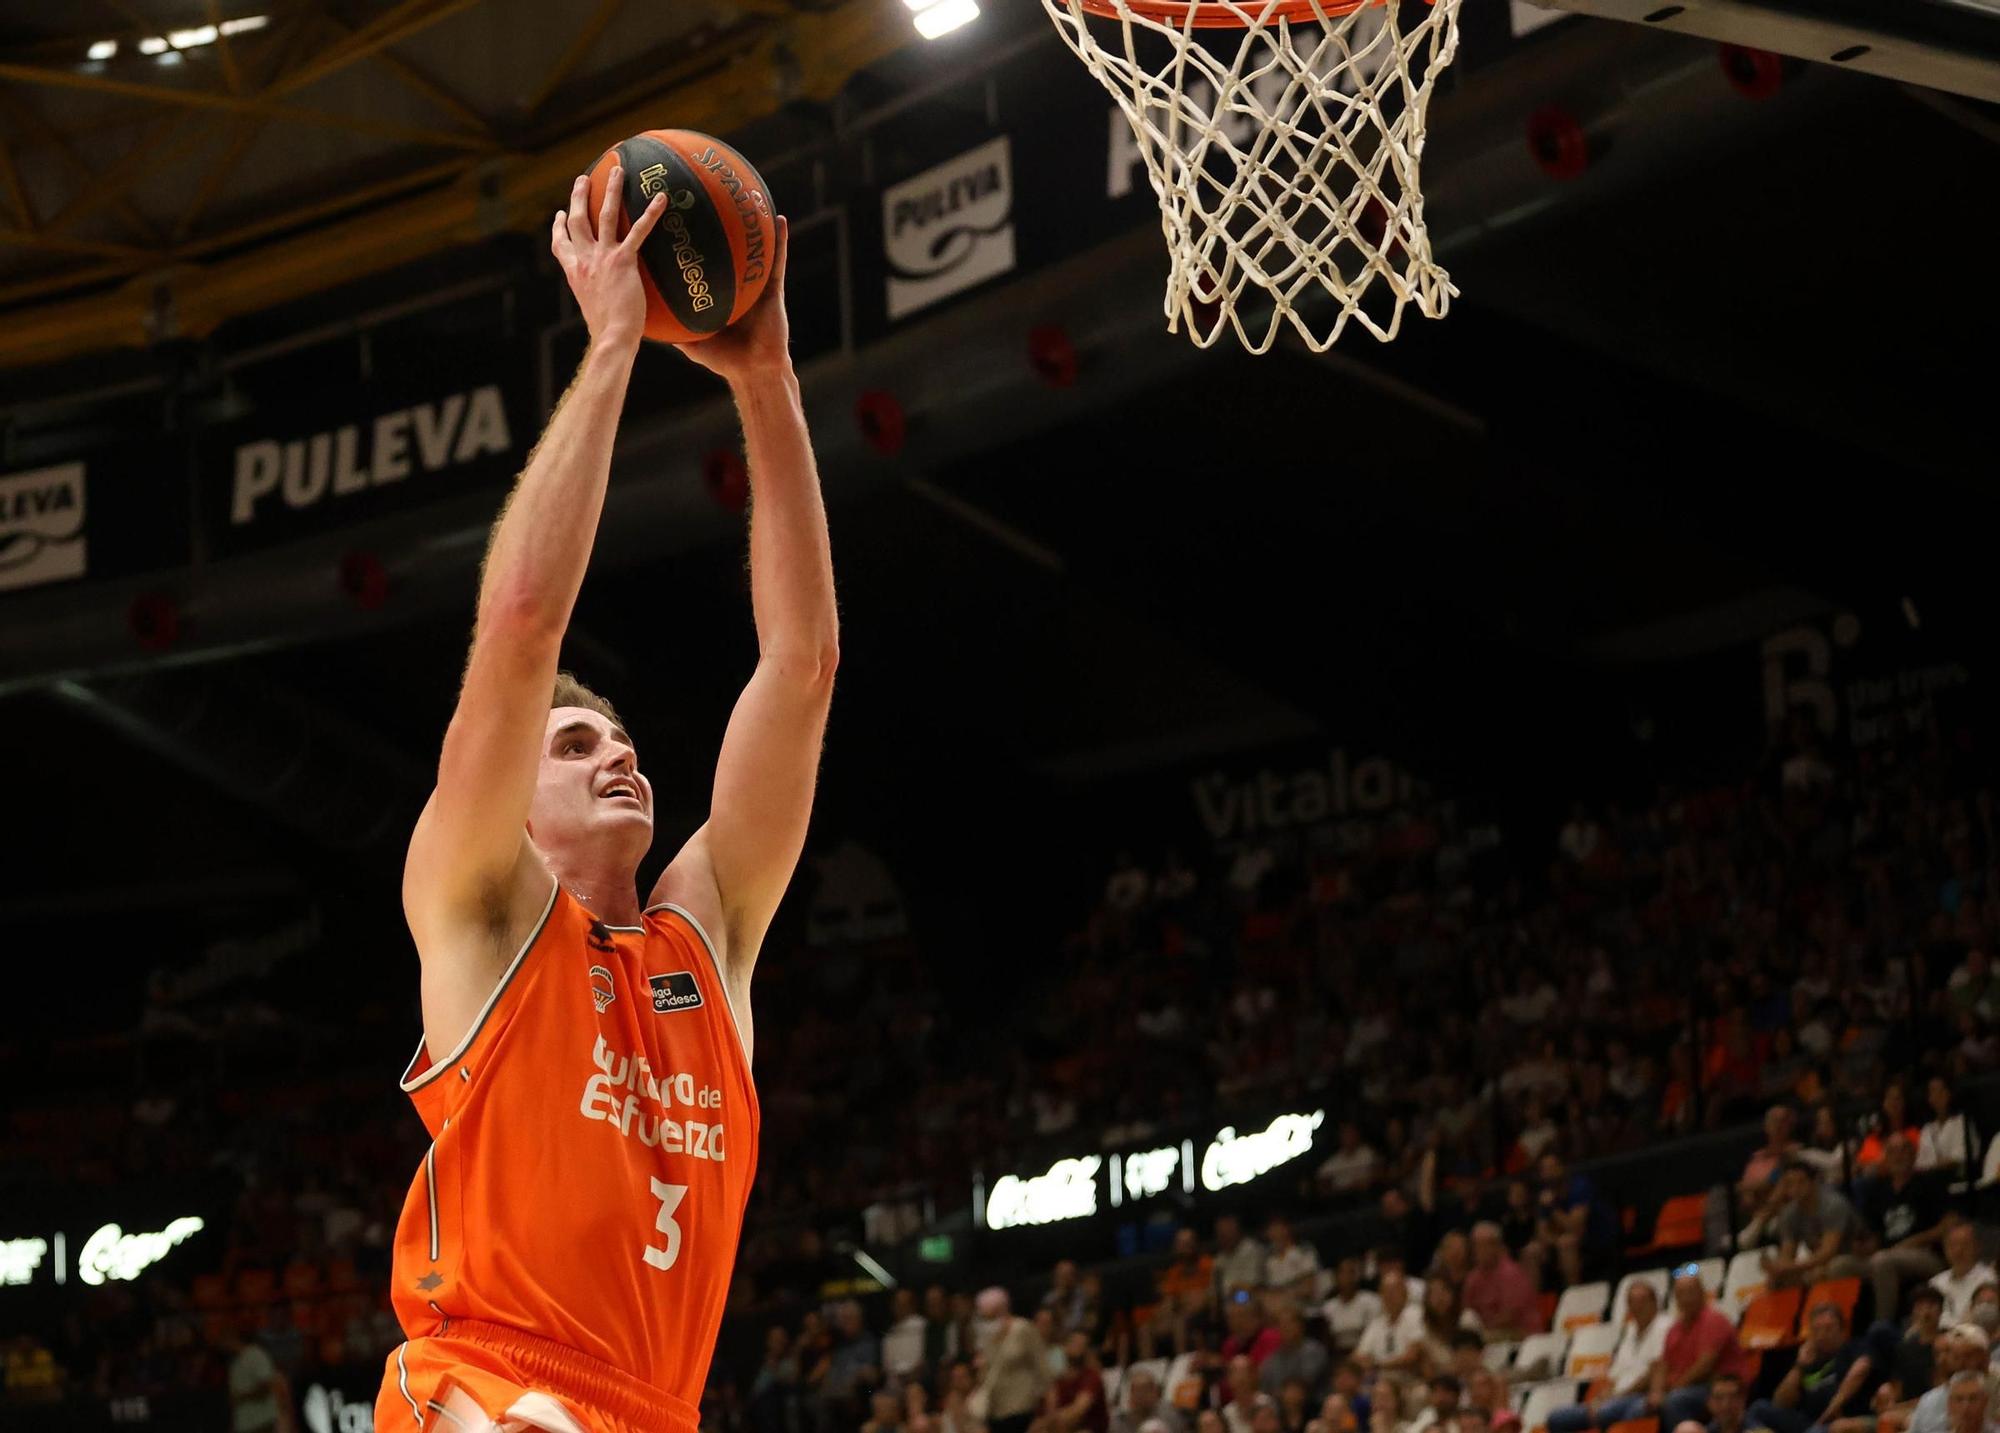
point(600, 937)
point(674, 991)
point(602, 993)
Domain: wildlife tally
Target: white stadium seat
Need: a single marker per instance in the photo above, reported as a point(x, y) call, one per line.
point(1540, 1355)
point(1590, 1350)
point(1580, 1304)
point(1544, 1399)
point(1499, 1356)
point(1745, 1280)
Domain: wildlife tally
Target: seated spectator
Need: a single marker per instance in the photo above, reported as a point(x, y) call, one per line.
point(854, 1366)
point(1468, 1355)
point(1385, 1406)
point(1894, 1118)
point(1700, 1344)
point(1813, 1228)
point(1452, 1261)
point(1352, 1166)
point(903, 1344)
point(773, 1399)
point(1296, 1356)
point(1064, 1298)
point(1520, 1224)
point(941, 1329)
point(1961, 1350)
point(1725, 1408)
point(1250, 1333)
point(1393, 1342)
point(885, 1413)
point(1904, 1358)
point(1641, 1343)
point(1075, 1402)
point(1238, 1394)
point(1498, 1290)
point(1239, 1259)
point(1294, 1407)
point(1291, 1269)
point(1486, 1395)
point(1579, 1225)
point(1768, 1160)
point(1445, 1316)
point(1349, 1308)
point(1825, 1381)
point(1967, 1403)
point(1141, 1395)
point(1974, 987)
point(1441, 1410)
point(1904, 1213)
point(1964, 1272)
point(1185, 1283)
point(1948, 1142)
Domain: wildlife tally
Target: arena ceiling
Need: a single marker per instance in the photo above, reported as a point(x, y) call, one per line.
point(168, 164)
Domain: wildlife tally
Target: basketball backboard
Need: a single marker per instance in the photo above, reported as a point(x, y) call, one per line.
point(1950, 45)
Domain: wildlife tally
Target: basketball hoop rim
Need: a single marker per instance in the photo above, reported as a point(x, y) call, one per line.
point(1214, 15)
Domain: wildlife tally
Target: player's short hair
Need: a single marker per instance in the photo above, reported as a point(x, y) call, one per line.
point(570, 692)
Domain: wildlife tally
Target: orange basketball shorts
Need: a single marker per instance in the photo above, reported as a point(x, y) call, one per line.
point(517, 1382)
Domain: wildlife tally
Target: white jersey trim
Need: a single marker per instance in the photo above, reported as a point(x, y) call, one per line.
point(721, 975)
point(438, 1067)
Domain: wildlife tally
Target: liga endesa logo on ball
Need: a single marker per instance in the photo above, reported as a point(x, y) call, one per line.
point(688, 259)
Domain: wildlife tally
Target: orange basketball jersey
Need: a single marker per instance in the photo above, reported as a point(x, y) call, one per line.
point(593, 1140)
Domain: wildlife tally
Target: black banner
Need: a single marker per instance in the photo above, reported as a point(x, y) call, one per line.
point(282, 475)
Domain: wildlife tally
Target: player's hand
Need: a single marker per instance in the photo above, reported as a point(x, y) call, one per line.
point(603, 269)
point(760, 341)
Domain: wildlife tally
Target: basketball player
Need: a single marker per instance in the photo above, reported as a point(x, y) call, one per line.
point(565, 1247)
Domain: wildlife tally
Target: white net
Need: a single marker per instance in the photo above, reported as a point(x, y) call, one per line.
point(1284, 154)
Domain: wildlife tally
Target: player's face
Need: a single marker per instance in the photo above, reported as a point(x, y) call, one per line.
point(590, 788)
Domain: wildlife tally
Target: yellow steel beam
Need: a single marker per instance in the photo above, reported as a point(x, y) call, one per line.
point(86, 173)
point(68, 244)
point(518, 190)
point(578, 48)
point(282, 52)
point(238, 104)
point(420, 83)
point(389, 28)
point(23, 210)
point(108, 184)
point(225, 51)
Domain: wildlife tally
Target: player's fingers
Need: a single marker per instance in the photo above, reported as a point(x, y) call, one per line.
point(643, 225)
point(783, 246)
point(607, 212)
point(559, 243)
point(579, 210)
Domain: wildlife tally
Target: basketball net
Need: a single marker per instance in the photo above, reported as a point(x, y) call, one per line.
point(1282, 138)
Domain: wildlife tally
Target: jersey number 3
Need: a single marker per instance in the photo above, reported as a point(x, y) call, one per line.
point(670, 1197)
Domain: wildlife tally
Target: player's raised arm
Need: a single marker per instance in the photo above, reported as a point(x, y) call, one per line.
point(740, 861)
point(469, 852)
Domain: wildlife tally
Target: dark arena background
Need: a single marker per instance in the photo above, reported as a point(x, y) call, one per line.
point(1279, 813)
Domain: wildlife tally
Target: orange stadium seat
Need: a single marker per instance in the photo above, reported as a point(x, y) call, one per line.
point(1635, 1425)
point(1843, 1293)
point(1678, 1224)
point(1771, 1318)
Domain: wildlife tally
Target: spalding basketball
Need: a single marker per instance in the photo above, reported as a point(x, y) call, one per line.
point(706, 260)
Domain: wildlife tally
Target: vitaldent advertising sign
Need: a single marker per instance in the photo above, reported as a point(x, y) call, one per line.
point(1071, 1189)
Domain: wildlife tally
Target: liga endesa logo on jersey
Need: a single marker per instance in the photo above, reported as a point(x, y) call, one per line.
point(675, 990)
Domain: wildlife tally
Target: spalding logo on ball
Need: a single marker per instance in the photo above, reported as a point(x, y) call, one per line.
point(706, 261)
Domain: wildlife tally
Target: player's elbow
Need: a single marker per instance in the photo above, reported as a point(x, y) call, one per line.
point(809, 666)
point(518, 612)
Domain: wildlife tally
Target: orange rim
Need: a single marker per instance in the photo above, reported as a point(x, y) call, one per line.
point(1211, 15)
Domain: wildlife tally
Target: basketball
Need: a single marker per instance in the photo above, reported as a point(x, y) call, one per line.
point(706, 261)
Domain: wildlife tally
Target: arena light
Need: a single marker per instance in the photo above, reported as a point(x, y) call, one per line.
point(103, 50)
point(188, 39)
point(934, 18)
point(153, 45)
point(248, 22)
